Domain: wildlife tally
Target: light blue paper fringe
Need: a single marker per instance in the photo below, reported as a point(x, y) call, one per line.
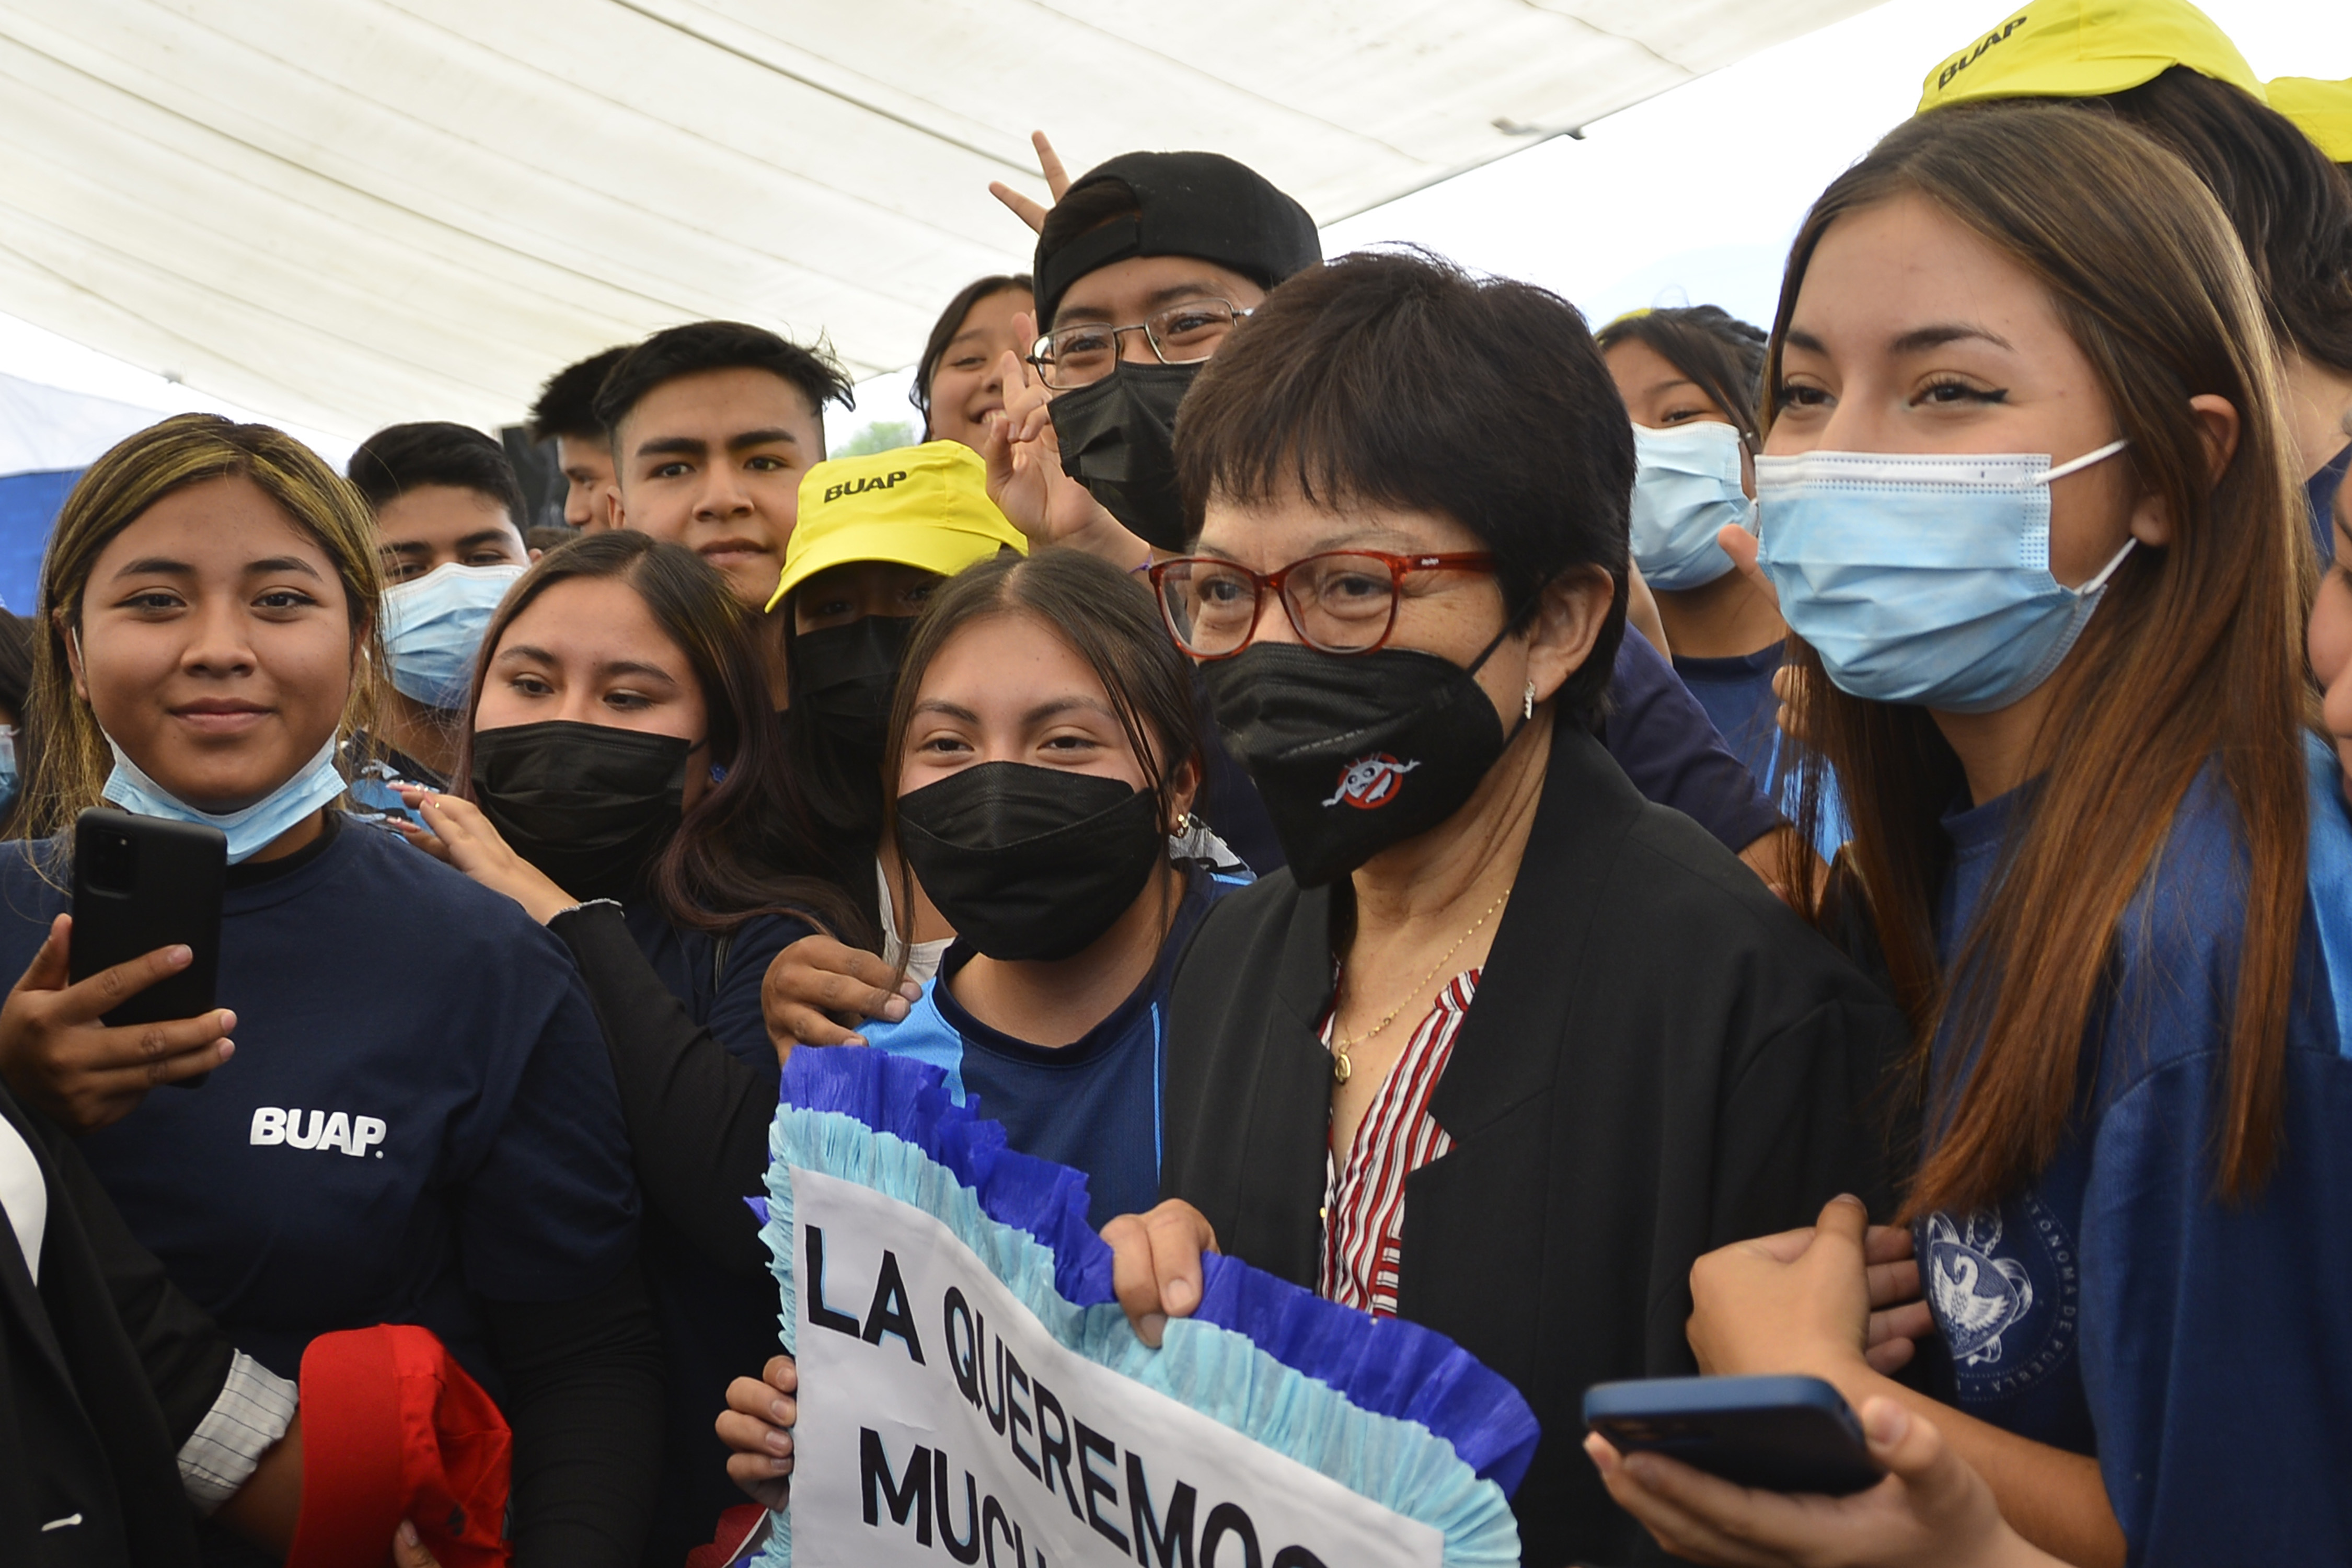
point(1238, 1379)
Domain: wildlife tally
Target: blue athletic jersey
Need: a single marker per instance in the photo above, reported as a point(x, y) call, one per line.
point(420, 1109)
point(1092, 1105)
point(2115, 1306)
point(1738, 695)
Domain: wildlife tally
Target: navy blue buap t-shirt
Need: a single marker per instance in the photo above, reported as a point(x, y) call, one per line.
point(420, 1109)
point(2115, 1305)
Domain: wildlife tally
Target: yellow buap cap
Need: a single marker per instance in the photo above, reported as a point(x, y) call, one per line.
point(924, 506)
point(2322, 109)
point(2087, 48)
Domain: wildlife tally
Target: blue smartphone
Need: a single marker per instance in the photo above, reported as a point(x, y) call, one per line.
point(1781, 1434)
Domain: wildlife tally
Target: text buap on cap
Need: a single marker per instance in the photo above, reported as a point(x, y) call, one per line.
point(2086, 48)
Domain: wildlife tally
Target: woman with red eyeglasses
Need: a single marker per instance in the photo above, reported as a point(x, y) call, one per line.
point(1506, 1047)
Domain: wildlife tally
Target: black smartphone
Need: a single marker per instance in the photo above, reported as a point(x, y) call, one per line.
point(1781, 1434)
point(140, 883)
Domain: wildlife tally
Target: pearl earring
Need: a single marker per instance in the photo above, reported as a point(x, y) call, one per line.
point(1528, 706)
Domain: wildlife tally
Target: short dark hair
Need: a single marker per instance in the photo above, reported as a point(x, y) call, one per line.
point(1397, 379)
point(401, 457)
point(2291, 207)
point(700, 346)
point(1723, 356)
point(567, 403)
point(951, 323)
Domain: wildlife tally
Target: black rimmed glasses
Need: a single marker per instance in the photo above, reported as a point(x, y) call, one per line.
point(1083, 353)
point(1344, 601)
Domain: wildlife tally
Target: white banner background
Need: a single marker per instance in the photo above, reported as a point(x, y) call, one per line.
point(867, 1405)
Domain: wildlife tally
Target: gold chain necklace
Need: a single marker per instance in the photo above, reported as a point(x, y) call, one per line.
point(1341, 1068)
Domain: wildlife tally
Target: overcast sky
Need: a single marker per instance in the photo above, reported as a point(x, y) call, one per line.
point(1689, 198)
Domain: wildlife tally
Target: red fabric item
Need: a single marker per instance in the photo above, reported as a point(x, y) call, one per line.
point(738, 1531)
point(394, 1429)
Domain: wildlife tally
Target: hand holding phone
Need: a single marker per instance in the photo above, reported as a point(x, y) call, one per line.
point(60, 1054)
point(1937, 1512)
point(1780, 1433)
point(120, 997)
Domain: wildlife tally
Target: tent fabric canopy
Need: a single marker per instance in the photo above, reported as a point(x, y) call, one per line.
point(352, 212)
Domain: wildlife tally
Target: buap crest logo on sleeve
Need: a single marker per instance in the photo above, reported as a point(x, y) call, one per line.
point(2003, 1286)
point(1369, 782)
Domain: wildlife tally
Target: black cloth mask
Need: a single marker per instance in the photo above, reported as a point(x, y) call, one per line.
point(588, 805)
point(844, 676)
point(1354, 752)
point(1029, 862)
point(1118, 440)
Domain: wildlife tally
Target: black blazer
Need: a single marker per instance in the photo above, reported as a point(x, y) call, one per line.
point(1661, 1059)
point(105, 1371)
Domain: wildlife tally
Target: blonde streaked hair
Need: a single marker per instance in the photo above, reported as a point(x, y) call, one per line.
point(71, 761)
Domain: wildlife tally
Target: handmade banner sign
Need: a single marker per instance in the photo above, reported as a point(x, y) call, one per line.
point(970, 1391)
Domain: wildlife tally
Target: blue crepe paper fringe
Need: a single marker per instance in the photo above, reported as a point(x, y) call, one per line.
point(1387, 1408)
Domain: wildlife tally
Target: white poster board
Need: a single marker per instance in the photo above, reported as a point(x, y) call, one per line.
point(940, 1422)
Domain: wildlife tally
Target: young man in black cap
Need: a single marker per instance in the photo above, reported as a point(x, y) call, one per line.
point(1145, 264)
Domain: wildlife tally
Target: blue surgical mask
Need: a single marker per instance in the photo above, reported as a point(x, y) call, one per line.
point(249, 830)
point(11, 781)
point(433, 627)
point(1925, 577)
point(1685, 490)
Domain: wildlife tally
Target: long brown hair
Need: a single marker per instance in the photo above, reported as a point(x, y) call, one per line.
point(71, 762)
point(2194, 658)
point(747, 847)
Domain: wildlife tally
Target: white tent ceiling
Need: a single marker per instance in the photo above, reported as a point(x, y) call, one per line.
point(352, 212)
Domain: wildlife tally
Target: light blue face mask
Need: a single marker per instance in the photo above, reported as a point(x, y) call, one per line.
point(1686, 489)
point(1925, 577)
point(11, 781)
point(433, 627)
point(249, 830)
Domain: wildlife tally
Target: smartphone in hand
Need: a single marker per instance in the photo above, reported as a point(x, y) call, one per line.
point(1780, 1433)
point(140, 883)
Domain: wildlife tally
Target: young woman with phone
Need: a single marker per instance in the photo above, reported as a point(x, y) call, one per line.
point(417, 1122)
point(621, 779)
point(2081, 811)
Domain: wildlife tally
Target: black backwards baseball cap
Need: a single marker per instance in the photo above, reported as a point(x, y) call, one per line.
point(1202, 205)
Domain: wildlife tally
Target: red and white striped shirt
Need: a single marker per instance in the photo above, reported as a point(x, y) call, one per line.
point(1363, 1201)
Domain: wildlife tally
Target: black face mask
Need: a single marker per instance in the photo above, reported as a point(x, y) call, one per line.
point(1118, 440)
point(1353, 752)
point(846, 674)
point(588, 805)
point(1029, 862)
